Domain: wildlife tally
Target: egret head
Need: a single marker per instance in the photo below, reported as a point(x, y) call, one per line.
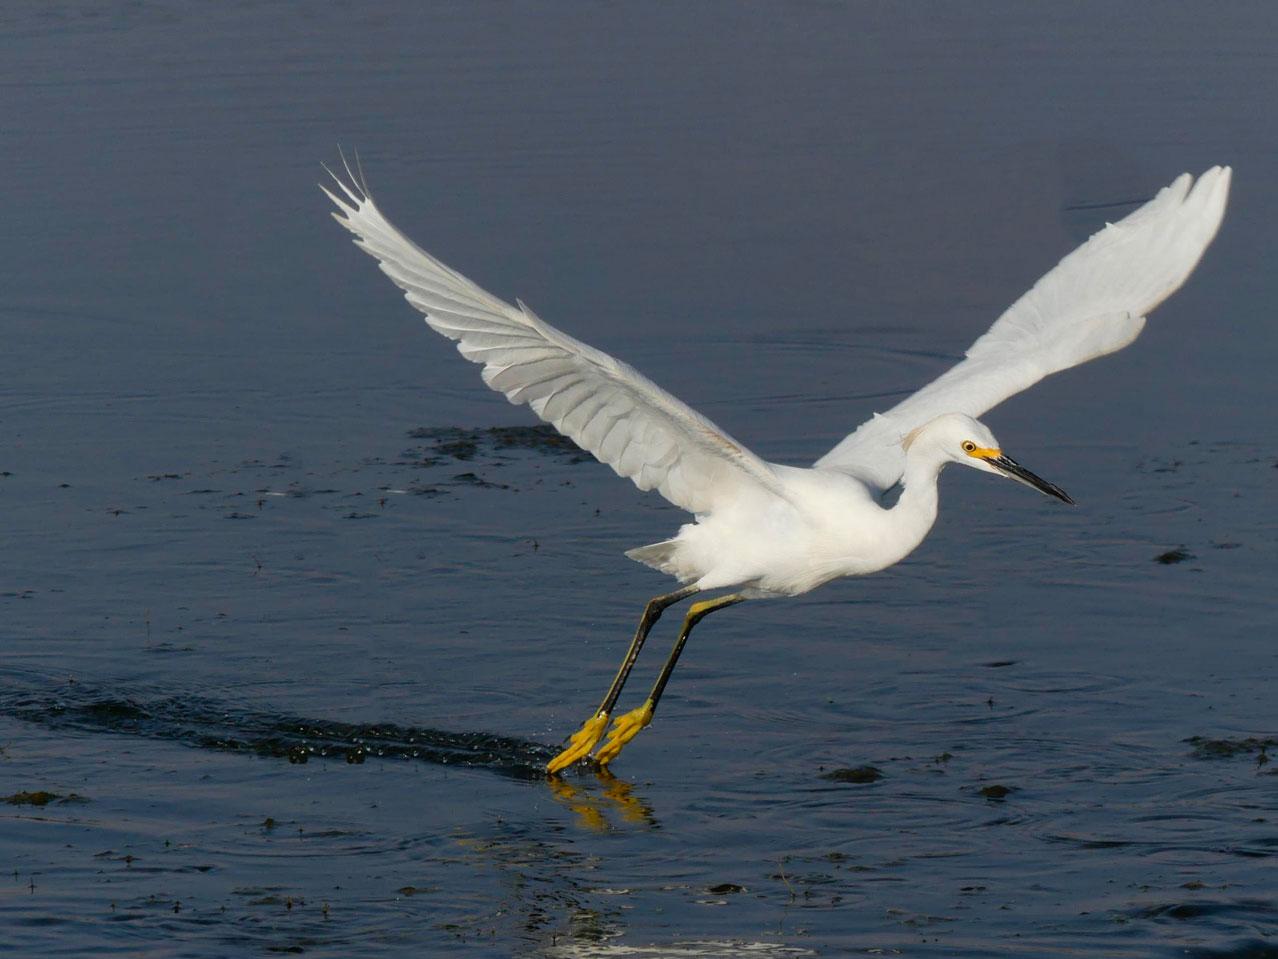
point(959, 438)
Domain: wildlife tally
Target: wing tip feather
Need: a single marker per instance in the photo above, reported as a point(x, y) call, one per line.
point(354, 186)
point(347, 211)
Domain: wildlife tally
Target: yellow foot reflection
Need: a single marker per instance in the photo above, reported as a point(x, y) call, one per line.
point(587, 810)
point(595, 810)
point(621, 793)
point(624, 729)
point(582, 741)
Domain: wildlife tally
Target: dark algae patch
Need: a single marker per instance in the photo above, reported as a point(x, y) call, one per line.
point(41, 797)
point(854, 774)
point(494, 446)
point(444, 443)
point(38, 798)
point(997, 791)
point(1207, 748)
point(474, 479)
point(540, 438)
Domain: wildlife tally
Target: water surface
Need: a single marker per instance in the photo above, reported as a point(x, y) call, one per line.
point(288, 629)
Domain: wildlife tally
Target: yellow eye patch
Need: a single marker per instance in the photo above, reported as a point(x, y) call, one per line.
point(981, 452)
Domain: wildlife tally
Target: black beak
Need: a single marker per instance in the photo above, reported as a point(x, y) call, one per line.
point(1014, 470)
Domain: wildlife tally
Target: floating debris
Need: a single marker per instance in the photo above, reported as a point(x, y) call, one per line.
point(1177, 555)
point(997, 791)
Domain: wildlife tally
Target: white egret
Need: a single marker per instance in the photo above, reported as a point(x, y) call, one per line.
point(763, 529)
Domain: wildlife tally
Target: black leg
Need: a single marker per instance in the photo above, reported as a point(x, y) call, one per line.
point(627, 726)
point(592, 730)
point(651, 613)
point(696, 613)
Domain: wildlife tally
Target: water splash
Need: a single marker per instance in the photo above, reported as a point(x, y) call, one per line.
point(205, 724)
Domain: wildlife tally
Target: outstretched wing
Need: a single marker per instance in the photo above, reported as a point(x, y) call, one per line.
point(602, 404)
point(1094, 302)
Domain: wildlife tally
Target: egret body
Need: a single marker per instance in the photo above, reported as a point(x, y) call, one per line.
point(763, 529)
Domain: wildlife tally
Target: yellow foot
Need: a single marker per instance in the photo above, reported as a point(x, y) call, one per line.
point(624, 729)
point(582, 741)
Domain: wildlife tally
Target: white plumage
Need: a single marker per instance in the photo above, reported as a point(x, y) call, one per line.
point(772, 530)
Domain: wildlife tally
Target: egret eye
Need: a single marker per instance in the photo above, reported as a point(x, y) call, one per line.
point(968, 446)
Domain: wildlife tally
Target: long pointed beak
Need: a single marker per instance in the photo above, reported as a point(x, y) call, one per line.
point(1014, 470)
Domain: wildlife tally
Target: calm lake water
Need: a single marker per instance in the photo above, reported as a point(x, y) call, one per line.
point(292, 609)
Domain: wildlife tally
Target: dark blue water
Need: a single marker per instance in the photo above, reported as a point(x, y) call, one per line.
point(286, 631)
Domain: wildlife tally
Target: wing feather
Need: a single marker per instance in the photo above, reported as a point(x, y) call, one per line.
point(1092, 303)
point(605, 406)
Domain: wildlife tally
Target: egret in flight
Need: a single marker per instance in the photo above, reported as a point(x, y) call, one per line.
point(761, 529)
